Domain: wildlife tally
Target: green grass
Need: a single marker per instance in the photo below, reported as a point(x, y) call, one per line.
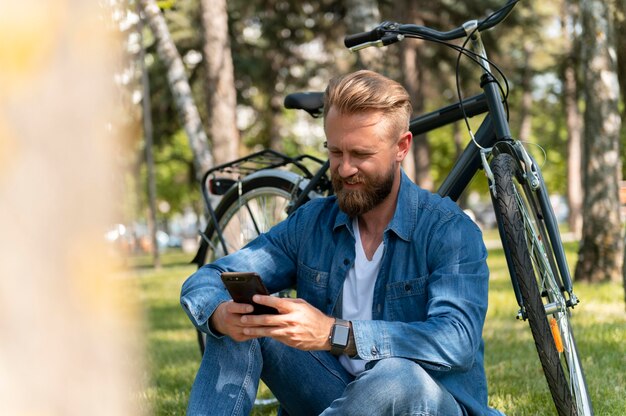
point(516, 383)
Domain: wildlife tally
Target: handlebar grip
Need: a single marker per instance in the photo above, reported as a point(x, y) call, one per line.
point(363, 37)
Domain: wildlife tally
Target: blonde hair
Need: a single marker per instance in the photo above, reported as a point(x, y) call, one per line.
point(363, 91)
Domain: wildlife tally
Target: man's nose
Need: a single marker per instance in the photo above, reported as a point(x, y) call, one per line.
point(347, 167)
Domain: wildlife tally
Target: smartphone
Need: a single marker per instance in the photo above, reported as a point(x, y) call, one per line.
point(243, 285)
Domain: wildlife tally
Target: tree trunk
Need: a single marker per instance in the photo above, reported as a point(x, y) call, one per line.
point(527, 97)
point(573, 122)
point(148, 138)
point(179, 85)
point(273, 116)
point(276, 120)
point(364, 15)
point(620, 24)
point(220, 82)
point(413, 81)
point(574, 150)
point(408, 64)
point(601, 251)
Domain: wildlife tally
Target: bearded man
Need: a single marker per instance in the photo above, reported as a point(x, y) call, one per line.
point(400, 272)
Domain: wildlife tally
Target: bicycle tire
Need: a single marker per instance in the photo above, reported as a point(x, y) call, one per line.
point(521, 223)
point(249, 208)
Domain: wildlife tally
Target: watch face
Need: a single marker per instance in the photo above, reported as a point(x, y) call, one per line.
point(340, 335)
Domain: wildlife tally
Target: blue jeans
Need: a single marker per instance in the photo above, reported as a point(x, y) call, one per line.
point(311, 383)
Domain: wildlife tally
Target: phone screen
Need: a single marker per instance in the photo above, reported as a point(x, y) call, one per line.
point(243, 285)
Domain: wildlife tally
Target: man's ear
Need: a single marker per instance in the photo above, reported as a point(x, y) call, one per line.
point(404, 145)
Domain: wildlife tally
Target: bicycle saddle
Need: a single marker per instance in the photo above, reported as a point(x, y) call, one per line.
point(311, 102)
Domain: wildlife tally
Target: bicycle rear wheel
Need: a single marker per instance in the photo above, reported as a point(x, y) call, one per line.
point(248, 209)
point(544, 304)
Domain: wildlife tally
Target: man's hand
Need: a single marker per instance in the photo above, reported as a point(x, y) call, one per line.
point(298, 324)
point(226, 320)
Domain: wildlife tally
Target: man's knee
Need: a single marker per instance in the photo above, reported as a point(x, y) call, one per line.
point(399, 376)
point(401, 386)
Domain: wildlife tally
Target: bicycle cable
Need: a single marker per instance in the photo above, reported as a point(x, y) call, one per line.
point(477, 59)
point(545, 154)
point(505, 95)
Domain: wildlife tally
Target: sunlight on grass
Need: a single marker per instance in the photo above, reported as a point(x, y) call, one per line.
point(516, 382)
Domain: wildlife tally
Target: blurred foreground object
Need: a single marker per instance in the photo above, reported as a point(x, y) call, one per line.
point(68, 324)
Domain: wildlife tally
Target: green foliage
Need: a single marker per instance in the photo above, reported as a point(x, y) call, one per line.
point(280, 46)
point(174, 174)
point(182, 19)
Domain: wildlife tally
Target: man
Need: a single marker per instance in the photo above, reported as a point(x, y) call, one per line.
point(391, 283)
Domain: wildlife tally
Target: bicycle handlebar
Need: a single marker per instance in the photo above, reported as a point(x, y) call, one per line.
point(389, 32)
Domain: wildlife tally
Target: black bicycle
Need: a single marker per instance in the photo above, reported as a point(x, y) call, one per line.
point(262, 189)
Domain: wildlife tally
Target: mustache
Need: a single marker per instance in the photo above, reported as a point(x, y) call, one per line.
point(352, 180)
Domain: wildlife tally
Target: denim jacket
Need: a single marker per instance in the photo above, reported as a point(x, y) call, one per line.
point(430, 296)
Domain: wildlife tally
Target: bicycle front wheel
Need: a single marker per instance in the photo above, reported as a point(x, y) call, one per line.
point(524, 235)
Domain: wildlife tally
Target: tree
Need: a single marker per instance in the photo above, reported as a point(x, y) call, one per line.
point(179, 84)
point(148, 140)
point(620, 25)
point(527, 97)
point(620, 36)
point(573, 118)
point(280, 46)
point(361, 16)
point(600, 255)
point(412, 66)
point(220, 81)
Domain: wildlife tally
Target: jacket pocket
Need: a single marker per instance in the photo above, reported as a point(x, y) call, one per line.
point(414, 287)
point(406, 300)
point(312, 285)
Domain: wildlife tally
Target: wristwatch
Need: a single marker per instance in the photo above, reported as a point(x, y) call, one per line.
point(339, 336)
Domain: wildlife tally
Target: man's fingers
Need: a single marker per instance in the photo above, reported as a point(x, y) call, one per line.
point(239, 308)
point(273, 301)
point(261, 331)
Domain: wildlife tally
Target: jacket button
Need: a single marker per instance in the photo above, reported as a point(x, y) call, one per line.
point(346, 261)
point(407, 287)
point(374, 351)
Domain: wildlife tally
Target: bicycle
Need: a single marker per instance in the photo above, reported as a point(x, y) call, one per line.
point(262, 189)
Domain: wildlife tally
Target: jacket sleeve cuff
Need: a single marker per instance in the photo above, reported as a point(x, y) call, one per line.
point(200, 318)
point(371, 340)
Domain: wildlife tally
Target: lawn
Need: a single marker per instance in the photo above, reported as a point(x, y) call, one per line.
point(516, 382)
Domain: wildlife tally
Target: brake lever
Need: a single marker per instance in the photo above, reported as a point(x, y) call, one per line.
point(384, 41)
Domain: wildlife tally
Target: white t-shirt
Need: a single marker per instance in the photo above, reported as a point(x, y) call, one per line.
point(358, 292)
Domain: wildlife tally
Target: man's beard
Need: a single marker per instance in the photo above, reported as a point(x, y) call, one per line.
point(358, 202)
